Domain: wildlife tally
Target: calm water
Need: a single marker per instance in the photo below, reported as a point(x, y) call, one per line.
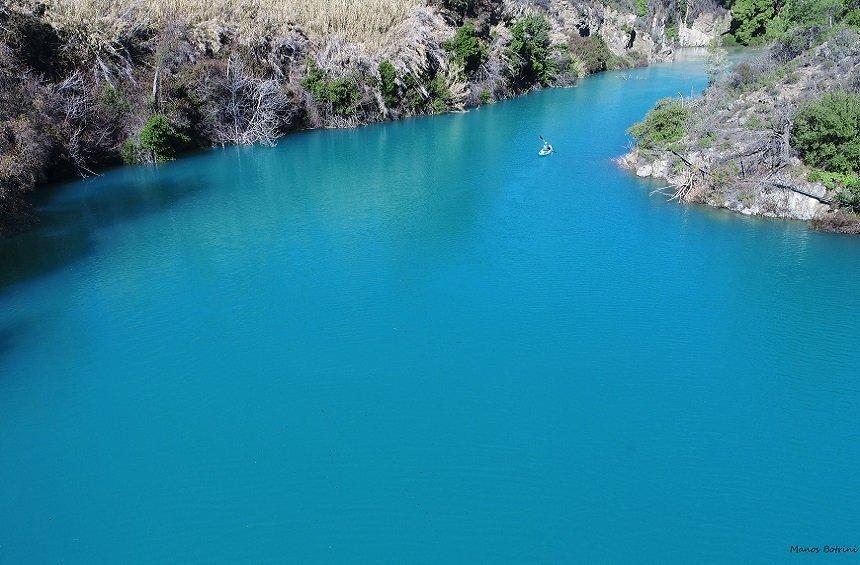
point(419, 342)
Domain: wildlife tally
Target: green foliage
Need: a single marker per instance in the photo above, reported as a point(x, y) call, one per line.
point(707, 140)
point(804, 14)
point(750, 19)
point(807, 13)
point(129, 152)
point(847, 186)
point(754, 123)
point(672, 32)
point(485, 97)
point(729, 40)
point(591, 52)
point(662, 126)
point(852, 18)
point(641, 8)
point(114, 101)
point(388, 83)
point(437, 100)
point(412, 93)
point(162, 139)
point(340, 93)
point(528, 54)
point(826, 133)
point(467, 49)
point(440, 96)
point(724, 175)
point(758, 21)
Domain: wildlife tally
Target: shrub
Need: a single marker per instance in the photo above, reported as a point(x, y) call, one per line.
point(729, 40)
point(826, 133)
point(641, 8)
point(847, 186)
point(792, 43)
point(388, 83)
point(437, 99)
point(440, 96)
point(662, 126)
point(591, 52)
point(162, 139)
point(129, 152)
point(467, 49)
point(341, 94)
point(852, 18)
point(755, 123)
point(850, 195)
point(528, 54)
point(114, 101)
point(485, 97)
point(412, 93)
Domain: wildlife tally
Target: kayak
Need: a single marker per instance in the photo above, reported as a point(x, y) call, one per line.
point(544, 152)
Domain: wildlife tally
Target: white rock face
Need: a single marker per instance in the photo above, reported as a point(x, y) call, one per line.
point(644, 171)
point(703, 30)
point(616, 30)
point(660, 168)
point(803, 207)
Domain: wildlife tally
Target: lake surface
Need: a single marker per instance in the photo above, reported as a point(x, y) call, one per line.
point(420, 342)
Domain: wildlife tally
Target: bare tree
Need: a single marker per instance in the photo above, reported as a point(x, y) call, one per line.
point(244, 109)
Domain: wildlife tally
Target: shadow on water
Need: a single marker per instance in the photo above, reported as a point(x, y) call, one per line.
point(70, 215)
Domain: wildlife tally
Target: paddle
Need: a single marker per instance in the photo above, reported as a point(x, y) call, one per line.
point(547, 143)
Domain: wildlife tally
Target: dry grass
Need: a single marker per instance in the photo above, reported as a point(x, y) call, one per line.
point(361, 21)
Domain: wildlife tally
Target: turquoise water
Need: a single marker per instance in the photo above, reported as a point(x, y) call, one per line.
point(419, 342)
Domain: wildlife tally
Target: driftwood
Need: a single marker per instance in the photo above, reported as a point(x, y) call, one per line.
point(689, 164)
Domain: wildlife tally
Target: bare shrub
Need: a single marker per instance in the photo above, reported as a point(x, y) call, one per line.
point(241, 108)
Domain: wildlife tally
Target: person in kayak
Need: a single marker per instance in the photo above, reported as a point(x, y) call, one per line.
point(547, 148)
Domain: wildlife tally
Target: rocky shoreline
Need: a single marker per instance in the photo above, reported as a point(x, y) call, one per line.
point(734, 147)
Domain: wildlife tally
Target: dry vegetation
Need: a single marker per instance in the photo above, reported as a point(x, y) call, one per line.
point(104, 21)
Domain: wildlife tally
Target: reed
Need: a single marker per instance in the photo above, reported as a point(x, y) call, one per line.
point(360, 21)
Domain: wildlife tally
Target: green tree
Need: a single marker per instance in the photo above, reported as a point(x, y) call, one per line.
point(467, 49)
point(750, 19)
point(812, 12)
point(388, 83)
point(804, 14)
point(162, 139)
point(528, 54)
point(826, 133)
